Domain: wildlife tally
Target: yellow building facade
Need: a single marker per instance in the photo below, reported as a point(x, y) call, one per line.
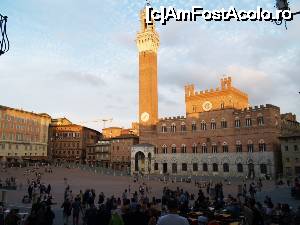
point(23, 134)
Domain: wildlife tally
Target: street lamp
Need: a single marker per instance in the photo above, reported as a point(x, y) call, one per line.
point(283, 5)
point(4, 42)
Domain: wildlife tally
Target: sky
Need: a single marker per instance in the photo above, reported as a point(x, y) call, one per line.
point(78, 59)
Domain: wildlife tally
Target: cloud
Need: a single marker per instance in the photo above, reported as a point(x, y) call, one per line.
point(81, 78)
point(265, 64)
point(79, 59)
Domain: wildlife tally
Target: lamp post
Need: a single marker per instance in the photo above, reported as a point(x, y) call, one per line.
point(283, 5)
point(4, 42)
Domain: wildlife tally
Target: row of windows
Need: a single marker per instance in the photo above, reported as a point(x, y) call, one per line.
point(120, 158)
point(128, 147)
point(213, 125)
point(21, 137)
point(25, 128)
point(214, 148)
point(288, 160)
point(27, 147)
point(62, 135)
point(215, 167)
point(18, 119)
point(67, 145)
point(98, 149)
point(70, 152)
point(30, 154)
point(296, 148)
point(91, 157)
point(91, 150)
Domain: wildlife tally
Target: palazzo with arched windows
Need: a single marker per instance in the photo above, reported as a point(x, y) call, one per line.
point(219, 135)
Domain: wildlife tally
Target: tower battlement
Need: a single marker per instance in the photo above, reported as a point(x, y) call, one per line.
point(173, 118)
point(225, 85)
point(147, 39)
point(258, 108)
point(189, 90)
point(225, 96)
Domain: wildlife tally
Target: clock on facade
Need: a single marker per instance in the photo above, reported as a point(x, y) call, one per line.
point(207, 105)
point(145, 116)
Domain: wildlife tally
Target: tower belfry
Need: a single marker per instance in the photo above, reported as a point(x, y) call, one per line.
point(148, 43)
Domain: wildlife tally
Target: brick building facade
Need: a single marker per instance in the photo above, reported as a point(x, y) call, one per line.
point(227, 142)
point(290, 149)
point(68, 142)
point(290, 145)
point(221, 134)
point(120, 151)
point(99, 153)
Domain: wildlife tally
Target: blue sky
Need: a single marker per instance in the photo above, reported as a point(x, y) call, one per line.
point(78, 58)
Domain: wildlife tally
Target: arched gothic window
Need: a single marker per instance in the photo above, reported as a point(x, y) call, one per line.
point(262, 146)
point(164, 128)
point(173, 147)
point(173, 128)
point(194, 148)
point(203, 125)
point(183, 148)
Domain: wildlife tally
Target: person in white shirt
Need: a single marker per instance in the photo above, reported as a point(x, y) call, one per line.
point(172, 218)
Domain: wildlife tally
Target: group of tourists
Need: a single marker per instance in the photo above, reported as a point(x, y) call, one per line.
point(37, 191)
point(138, 205)
point(174, 207)
point(40, 214)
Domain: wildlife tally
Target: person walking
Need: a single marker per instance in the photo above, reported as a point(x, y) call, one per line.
point(76, 208)
point(67, 209)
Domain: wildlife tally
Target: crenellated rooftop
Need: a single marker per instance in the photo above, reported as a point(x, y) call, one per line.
point(172, 118)
point(257, 108)
point(225, 85)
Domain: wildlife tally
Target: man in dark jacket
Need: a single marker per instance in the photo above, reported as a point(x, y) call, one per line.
point(67, 209)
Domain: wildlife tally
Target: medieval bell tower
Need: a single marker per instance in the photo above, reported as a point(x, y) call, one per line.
point(148, 43)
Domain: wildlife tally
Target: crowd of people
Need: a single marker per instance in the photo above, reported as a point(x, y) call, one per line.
point(171, 208)
point(174, 207)
point(138, 205)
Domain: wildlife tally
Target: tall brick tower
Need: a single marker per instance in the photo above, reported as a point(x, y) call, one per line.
point(148, 43)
